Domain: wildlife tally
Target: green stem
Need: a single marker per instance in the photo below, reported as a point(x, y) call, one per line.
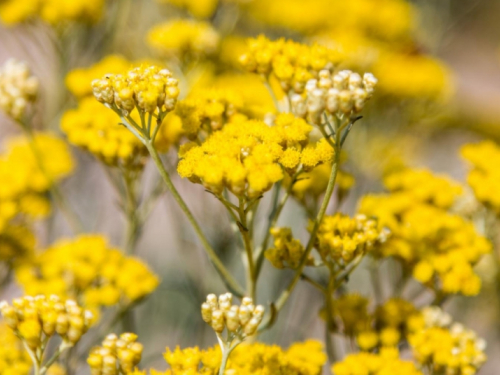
point(230, 282)
point(131, 209)
point(330, 289)
point(247, 242)
point(54, 358)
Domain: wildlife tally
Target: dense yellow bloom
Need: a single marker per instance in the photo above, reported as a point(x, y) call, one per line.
point(28, 183)
point(88, 269)
point(184, 39)
point(116, 355)
point(447, 347)
point(198, 8)
point(14, 360)
point(293, 64)
point(149, 89)
point(35, 319)
point(439, 247)
point(305, 358)
point(51, 11)
point(208, 110)
point(18, 88)
point(484, 176)
point(387, 362)
point(342, 238)
point(287, 251)
point(246, 156)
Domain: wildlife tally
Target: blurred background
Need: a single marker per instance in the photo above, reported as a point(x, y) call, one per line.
point(438, 64)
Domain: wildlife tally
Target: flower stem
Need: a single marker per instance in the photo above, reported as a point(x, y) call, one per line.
point(247, 242)
point(230, 282)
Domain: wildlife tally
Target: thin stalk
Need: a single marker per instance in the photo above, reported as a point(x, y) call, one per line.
point(54, 358)
point(273, 95)
point(247, 243)
point(131, 209)
point(330, 289)
point(230, 282)
point(313, 282)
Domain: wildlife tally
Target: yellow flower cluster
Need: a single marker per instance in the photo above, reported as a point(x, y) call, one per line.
point(247, 156)
point(305, 358)
point(147, 88)
point(387, 362)
point(87, 269)
point(51, 11)
point(342, 94)
point(14, 360)
point(447, 347)
point(28, 183)
point(198, 8)
point(116, 355)
point(440, 248)
point(484, 177)
point(18, 88)
point(184, 39)
point(241, 321)
point(342, 238)
point(36, 319)
point(17, 243)
point(287, 251)
point(293, 64)
point(385, 327)
point(208, 110)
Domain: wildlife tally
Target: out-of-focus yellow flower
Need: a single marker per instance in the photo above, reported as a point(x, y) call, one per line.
point(18, 88)
point(384, 363)
point(184, 39)
point(446, 347)
point(198, 8)
point(53, 12)
point(287, 251)
point(14, 360)
point(484, 176)
point(438, 247)
point(88, 269)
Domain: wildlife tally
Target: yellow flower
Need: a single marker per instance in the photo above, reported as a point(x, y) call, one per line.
point(287, 251)
point(121, 354)
point(14, 360)
point(198, 8)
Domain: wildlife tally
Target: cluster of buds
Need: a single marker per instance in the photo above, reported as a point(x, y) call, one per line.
point(146, 88)
point(18, 88)
point(342, 238)
point(36, 319)
point(344, 93)
point(287, 250)
point(241, 321)
point(117, 355)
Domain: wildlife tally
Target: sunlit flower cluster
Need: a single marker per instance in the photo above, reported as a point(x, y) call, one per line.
point(440, 248)
point(18, 88)
point(447, 347)
point(117, 355)
point(342, 238)
point(247, 156)
point(287, 251)
point(14, 360)
point(36, 319)
point(384, 363)
point(305, 358)
point(293, 64)
point(208, 110)
point(344, 93)
point(184, 39)
point(147, 88)
point(484, 176)
point(221, 314)
point(88, 269)
point(51, 11)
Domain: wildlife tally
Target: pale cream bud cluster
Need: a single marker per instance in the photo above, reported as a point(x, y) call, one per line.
point(18, 88)
point(35, 319)
point(241, 320)
point(117, 355)
point(344, 93)
point(149, 89)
